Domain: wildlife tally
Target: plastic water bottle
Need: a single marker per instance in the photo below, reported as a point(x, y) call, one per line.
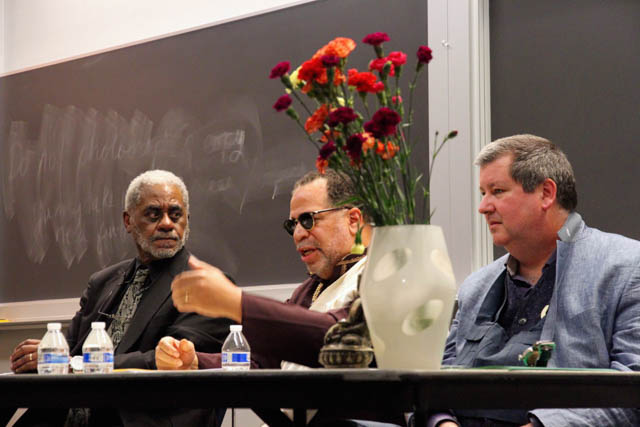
point(97, 351)
point(53, 352)
point(236, 353)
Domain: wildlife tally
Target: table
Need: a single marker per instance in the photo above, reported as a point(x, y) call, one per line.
point(394, 390)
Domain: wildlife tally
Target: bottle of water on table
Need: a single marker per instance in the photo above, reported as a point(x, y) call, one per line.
point(53, 351)
point(97, 351)
point(236, 353)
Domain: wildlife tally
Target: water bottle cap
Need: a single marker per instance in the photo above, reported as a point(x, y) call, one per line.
point(97, 325)
point(54, 326)
point(235, 328)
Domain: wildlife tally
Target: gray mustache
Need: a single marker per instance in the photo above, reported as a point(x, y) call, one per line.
point(164, 236)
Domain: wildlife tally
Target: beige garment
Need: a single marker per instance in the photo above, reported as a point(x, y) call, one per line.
point(340, 293)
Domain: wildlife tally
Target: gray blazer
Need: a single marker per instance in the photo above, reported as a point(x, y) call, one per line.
point(593, 316)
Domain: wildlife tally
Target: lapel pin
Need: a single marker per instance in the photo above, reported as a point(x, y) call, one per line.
point(544, 311)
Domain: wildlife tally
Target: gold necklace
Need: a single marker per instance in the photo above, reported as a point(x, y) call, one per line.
point(317, 292)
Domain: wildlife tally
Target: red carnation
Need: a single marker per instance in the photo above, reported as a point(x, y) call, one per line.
point(425, 54)
point(377, 87)
point(376, 39)
point(378, 65)
point(383, 122)
point(330, 60)
point(280, 70)
point(342, 115)
point(397, 58)
point(312, 70)
point(354, 146)
point(396, 99)
point(327, 150)
point(282, 103)
point(364, 82)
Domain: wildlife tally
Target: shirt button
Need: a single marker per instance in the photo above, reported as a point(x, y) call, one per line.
point(522, 321)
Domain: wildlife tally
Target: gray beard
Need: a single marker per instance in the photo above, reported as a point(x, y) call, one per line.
point(161, 253)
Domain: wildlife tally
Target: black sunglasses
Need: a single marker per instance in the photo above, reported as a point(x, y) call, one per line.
point(306, 219)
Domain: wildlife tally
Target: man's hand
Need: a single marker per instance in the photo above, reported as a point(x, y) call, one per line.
point(207, 291)
point(25, 357)
point(172, 354)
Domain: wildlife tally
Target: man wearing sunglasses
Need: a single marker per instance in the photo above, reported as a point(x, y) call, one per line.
point(285, 335)
point(323, 228)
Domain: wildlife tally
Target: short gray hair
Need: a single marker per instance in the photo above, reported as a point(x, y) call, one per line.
point(149, 178)
point(534, 160)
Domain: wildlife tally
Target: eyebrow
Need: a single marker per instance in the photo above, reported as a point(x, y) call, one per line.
point(157, 207)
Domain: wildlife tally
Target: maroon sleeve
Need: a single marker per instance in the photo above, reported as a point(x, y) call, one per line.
point(208, 360)
point(286, 331)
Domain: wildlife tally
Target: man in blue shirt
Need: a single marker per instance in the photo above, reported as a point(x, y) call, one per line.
point(560, 281)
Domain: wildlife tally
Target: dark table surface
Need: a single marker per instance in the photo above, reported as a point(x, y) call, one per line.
point(401, 391)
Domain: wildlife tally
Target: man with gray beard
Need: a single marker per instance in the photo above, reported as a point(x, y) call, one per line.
point(133, 297)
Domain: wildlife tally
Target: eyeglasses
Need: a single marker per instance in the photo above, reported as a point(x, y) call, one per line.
point(306, 219)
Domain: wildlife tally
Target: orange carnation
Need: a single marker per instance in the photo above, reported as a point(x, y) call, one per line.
point(338, 77)
point(369, 142)
point(314, 70)
point(322, 164)
point(329, 135)
point(387, 152)
point(340, 47)
point(316, 120)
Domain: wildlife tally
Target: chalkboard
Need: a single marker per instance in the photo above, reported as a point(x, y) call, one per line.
point(199, 104)
point(568, 70)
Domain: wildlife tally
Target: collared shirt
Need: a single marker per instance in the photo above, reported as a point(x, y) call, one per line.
point(156, 269)
point(524, 303)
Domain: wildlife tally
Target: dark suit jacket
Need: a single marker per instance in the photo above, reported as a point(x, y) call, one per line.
point(155, 316)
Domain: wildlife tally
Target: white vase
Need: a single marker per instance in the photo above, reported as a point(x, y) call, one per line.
point(408, 291)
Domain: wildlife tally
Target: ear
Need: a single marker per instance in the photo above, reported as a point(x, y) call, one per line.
point(126, 218)
point(355, 220)
point(549, 193)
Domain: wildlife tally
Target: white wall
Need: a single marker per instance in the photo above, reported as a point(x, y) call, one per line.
point(2, 31)
point(38, 32)
point(459, 99)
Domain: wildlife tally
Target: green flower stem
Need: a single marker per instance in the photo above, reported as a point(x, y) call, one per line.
point(295, 94)
point(436, 150)
point(363, 96)
point(412, 87)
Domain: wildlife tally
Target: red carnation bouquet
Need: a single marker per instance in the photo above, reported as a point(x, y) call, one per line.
point(372, 147)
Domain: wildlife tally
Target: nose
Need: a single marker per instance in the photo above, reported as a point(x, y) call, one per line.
point(165, 224)
point(485, 206)
point(299, 233)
